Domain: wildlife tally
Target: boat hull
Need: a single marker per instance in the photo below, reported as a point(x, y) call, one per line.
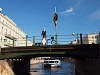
point(51, 66)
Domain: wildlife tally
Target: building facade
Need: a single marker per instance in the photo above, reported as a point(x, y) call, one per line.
point(10, 34)
point(90, 39)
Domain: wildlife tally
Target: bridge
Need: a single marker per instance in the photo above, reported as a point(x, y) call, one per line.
point(74, 51)
point(78, 50)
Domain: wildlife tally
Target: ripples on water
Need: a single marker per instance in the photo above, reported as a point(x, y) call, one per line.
point(65, 69)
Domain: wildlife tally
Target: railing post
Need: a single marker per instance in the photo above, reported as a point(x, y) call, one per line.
point(77, 39)
point(56, 39)
point(26, 39)
point(99, 44)
point(99, 38)
point(81, 38)
point(34, 40)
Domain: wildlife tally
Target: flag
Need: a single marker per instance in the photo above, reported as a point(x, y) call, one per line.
point(55, 18)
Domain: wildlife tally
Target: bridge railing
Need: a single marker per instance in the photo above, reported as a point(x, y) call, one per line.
point(51, 40)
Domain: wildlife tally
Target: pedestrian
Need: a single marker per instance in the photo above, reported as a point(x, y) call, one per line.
point(43, 34)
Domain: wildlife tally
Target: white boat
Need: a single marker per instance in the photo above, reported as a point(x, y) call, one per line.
point(52, 63)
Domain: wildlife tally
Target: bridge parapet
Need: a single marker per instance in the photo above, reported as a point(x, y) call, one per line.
point(74, 51)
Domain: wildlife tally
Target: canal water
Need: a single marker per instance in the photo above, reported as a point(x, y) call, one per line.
point(65, 69)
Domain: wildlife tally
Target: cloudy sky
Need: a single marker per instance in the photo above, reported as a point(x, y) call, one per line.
point(78, 16)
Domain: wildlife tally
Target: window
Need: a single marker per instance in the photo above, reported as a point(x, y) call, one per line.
point(95, 37)
point(5, 40)
point(2, 29)
point(56, 61)
point(6, 31)
point(45, 61)
point(51, 61)
point(3, 21)
point(92, 37)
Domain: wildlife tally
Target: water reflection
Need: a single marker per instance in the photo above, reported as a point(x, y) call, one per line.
point(65, 69)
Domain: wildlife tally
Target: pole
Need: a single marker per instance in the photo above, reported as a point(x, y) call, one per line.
point(99, 44)
point(81, 38)
point(99, 38)
point(34, 40)
point(56, 35)
point(56, 30)
point(55, 9)
point(77, 39)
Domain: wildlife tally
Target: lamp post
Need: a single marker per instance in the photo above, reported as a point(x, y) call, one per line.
point(76, 37)
point(55, 18)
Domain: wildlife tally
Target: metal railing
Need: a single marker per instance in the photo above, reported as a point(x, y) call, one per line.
point(51, 40)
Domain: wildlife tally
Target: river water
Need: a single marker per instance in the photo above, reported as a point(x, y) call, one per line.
point(65, 69)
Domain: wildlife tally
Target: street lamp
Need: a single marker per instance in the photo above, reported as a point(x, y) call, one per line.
point(55, 18)
point(76, 37)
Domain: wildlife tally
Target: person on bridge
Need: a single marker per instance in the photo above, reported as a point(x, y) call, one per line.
point(43, 34)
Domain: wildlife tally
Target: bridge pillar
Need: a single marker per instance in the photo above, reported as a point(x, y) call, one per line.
point(20, 66)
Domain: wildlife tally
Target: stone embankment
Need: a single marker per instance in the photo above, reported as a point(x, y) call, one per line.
point(5, 69)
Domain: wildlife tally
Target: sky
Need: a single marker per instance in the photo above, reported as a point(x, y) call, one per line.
point(74, 16)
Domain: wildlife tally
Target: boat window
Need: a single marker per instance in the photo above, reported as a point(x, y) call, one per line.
point(45, 61)
point(56, 61)
point(51, 61)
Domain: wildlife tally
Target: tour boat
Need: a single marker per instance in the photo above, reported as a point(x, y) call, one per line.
point(52, 63)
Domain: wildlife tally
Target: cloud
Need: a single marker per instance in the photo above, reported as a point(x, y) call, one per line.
point(67, 11)
point(95, 15)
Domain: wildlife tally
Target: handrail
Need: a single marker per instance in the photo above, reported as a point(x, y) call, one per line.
point(62, 39)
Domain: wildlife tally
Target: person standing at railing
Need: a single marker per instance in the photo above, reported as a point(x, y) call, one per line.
point(43, 34)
